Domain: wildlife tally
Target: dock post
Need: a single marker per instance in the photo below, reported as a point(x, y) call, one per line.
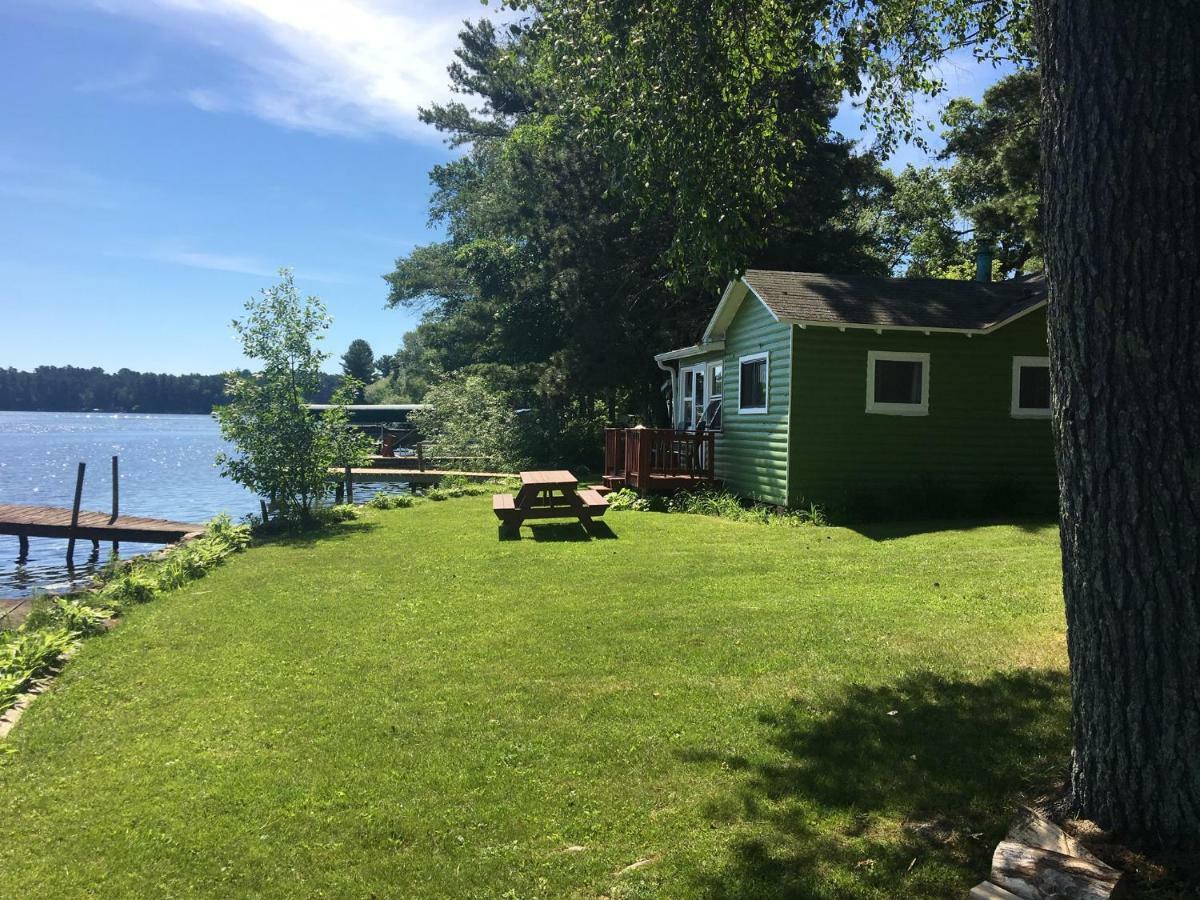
point(349, 486)
point(23, 554)
point(75, 513)
point(420, 456)
point(116, 503)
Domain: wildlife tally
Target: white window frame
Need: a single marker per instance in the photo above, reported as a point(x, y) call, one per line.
point(755, 410)
point(897, 409)
point(710, 395)
point(686, 396)
point(1014, 408)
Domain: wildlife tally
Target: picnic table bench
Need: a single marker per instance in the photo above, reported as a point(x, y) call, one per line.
point(547, 495)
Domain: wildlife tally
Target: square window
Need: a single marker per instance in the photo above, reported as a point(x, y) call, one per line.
point(1030, 387)
point(752, 384)
point(897, 383)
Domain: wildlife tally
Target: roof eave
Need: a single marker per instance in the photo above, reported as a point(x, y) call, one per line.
point(926, 329)
point(694, 350)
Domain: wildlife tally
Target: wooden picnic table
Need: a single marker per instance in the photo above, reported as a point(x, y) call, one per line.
point(551, 494)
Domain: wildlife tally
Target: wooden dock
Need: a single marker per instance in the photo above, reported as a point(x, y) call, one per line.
point(415, 476)
point(55, 522)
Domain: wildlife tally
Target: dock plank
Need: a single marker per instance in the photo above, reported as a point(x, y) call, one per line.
point(55, 522)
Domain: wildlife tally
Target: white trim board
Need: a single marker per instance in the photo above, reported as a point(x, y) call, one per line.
point(897, 409)
point(1014, 408)
point(765, 356)
point(686, 352)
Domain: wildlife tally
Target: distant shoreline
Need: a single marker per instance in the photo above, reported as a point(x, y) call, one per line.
point(113, 412)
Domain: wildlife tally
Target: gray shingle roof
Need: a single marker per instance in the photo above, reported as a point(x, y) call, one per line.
point(911, 302)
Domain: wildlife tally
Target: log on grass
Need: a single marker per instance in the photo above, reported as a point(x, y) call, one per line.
point(1035, 874)
point(1035, 830)
point(985, 890)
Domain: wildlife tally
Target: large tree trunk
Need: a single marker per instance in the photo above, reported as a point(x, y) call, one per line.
point(1121, 148)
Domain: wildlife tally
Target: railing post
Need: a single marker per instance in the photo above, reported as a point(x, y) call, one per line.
point(644, 468)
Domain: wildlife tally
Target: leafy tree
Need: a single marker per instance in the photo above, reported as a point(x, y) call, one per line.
point(467, 417)
point(283, 451)
point(358, 361)
point(553, 281)
point(994, 178)
point(384, 364)
point(918, 226)
point(1119, 127)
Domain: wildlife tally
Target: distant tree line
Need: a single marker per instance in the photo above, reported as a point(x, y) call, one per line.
point(76, 389)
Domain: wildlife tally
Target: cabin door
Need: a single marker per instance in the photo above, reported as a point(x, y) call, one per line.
point(693, 396)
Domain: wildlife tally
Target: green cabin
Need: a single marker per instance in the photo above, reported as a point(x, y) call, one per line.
point(873, 394)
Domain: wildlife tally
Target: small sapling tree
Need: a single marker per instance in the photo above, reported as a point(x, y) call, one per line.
point(282, 451)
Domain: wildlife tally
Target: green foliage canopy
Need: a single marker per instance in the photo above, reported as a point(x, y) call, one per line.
point(469, 418)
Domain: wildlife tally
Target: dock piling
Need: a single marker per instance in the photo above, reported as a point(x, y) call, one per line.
point(116, 499)
point(75, 513)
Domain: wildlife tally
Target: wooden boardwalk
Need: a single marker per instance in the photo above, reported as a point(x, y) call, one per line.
point(55, 522)
point(415, 476)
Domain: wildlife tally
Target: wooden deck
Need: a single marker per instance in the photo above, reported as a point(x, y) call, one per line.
point(658, 459)
point(55, 522)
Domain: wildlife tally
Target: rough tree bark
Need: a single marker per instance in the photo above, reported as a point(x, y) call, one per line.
point(1121, 149)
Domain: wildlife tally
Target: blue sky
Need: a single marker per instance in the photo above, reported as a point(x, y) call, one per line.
point(162, 158)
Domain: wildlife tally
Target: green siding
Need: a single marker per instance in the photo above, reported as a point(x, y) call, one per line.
point(966, 450)
point(752, 450)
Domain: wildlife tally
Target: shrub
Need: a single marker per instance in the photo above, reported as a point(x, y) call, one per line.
point(627, 498)
point(137, 584)
point(391, 501)
point(79, 618)
point(33, 652)
point(11, 685)
point(720, 503)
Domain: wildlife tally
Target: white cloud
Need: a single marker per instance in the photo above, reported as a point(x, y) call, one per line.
point(183, 253)
point(217, 262)
point(330, 66)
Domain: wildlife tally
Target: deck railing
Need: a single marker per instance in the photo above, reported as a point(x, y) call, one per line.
point(645, 458)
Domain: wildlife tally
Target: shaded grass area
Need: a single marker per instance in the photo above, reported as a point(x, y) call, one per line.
point(410, 707)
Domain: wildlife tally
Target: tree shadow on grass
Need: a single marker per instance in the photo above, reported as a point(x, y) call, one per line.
point(891, 530)
point(313, 536)
point(949, 759)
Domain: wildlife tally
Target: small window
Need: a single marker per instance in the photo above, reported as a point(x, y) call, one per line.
point(897, 383)
point(752, 384)
point(1031, 387)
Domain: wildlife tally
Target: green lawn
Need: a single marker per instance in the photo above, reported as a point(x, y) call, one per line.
point(410, 707)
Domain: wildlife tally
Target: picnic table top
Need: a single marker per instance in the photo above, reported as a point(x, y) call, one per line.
point(552, 478)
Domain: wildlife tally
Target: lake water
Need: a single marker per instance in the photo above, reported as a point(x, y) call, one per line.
point(166, 471)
